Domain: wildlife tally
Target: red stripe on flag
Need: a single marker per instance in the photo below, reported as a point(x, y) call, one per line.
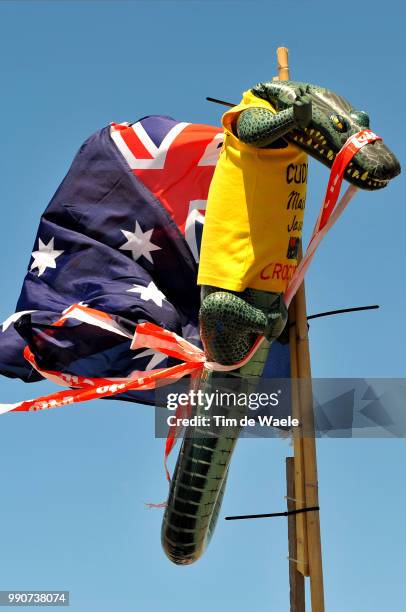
point(134, 144)
point(182, 180)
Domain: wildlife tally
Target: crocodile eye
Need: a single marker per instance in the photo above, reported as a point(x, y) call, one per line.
point(339, 123)
point(361, 118)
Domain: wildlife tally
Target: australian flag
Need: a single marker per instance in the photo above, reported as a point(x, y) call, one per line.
point(121, 235)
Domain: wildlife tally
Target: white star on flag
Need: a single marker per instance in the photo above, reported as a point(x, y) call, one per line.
point(139, 243)
point(149, 293)
point(13, 318)
point(155, 358)
point(45, 256)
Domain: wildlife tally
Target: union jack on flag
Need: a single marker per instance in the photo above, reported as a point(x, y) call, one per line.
point(175, 161)
point(122, 236)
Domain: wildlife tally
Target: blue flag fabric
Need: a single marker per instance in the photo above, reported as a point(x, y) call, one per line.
point(106, 241)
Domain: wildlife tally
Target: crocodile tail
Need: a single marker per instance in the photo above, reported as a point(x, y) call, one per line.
point(201, 471)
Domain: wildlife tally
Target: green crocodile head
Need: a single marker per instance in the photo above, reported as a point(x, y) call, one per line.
point(334, 120)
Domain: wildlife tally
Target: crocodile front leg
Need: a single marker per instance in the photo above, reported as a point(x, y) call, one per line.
point(201, 471)
point(260, 127)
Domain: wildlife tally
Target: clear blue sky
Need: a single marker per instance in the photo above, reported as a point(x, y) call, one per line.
point(74, 480)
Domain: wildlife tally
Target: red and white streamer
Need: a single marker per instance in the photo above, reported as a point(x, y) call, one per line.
point(329, 212)
point(148, 335)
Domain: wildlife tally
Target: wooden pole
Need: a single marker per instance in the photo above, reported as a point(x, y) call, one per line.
point(300, 496)
point(309, 459)
point(282, 56)
point(308, 541)
point(296, 579)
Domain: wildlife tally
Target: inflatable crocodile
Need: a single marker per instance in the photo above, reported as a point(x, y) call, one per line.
point(117, 246)
point(252, 235)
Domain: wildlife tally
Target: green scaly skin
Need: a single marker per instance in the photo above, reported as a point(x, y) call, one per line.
point(201, 471)
point(323, 136)
point(319, 122)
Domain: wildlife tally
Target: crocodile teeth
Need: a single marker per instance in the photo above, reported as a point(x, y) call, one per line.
point(369, 183)
point(355, 174)
point(309, 142)
point(311, 131)
point(364, 176)
point(330, 154)
point(301, 139)
point(324, 141)
point(316, 146)
point(322, 151)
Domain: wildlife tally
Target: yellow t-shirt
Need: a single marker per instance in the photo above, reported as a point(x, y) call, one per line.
point(254, 212)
